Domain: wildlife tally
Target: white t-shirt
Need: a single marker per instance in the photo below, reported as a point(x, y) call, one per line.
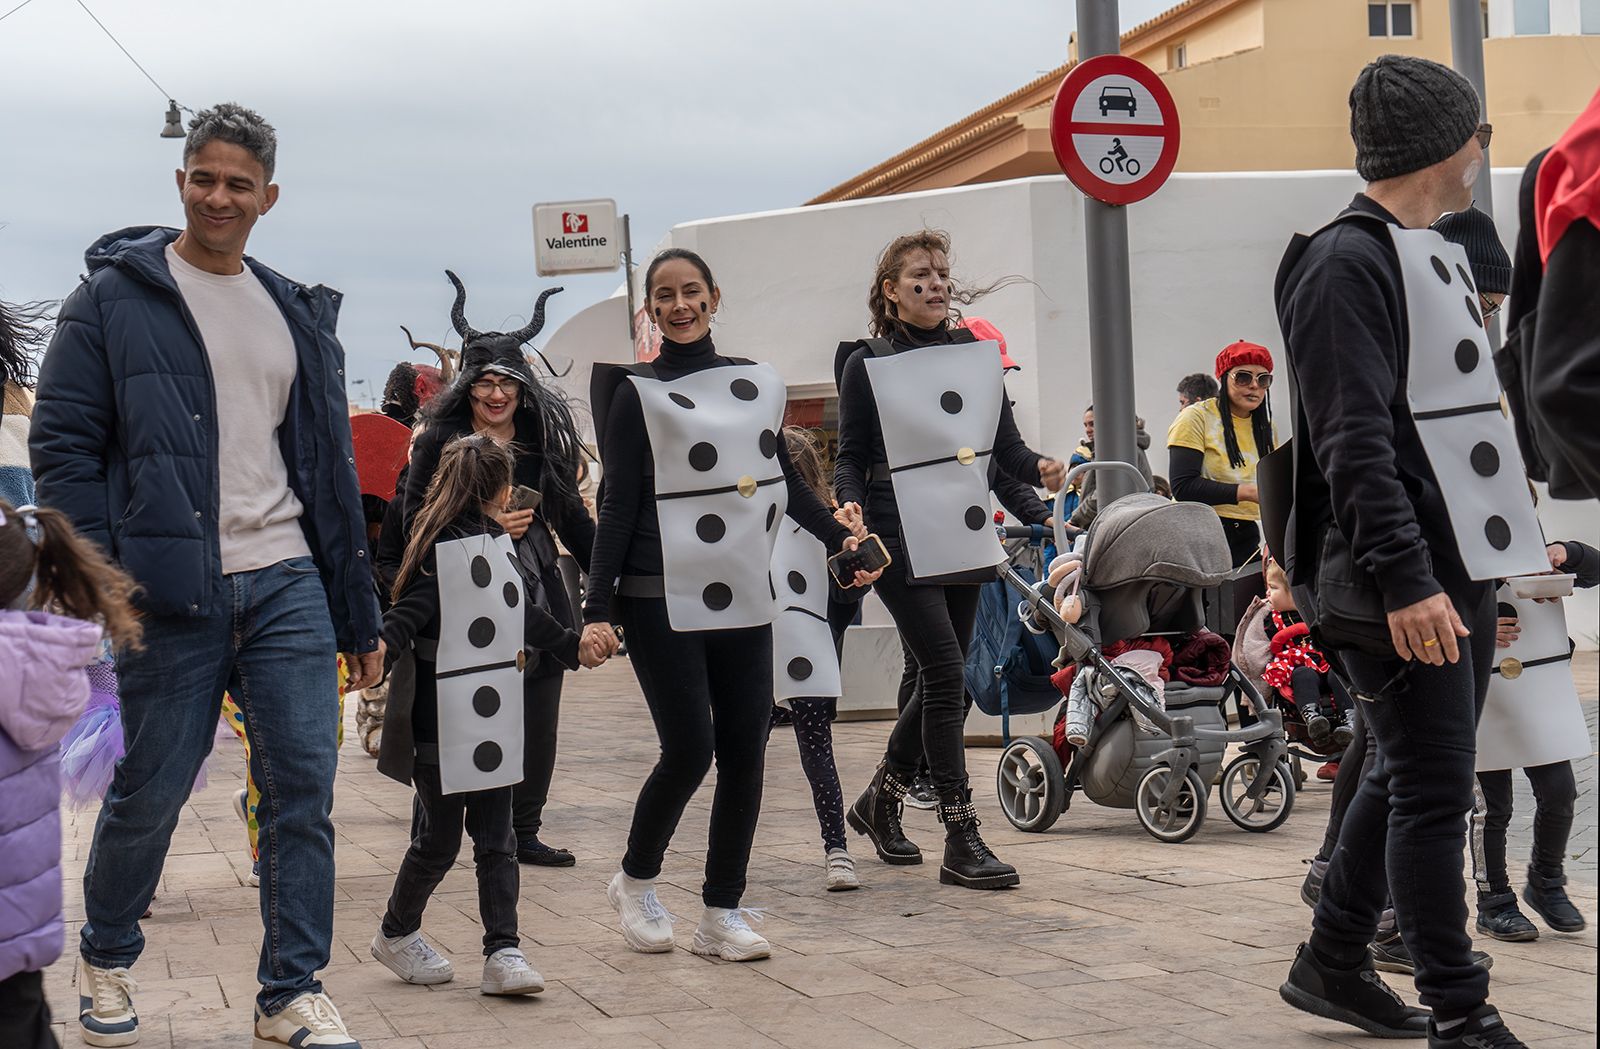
point(253, 367)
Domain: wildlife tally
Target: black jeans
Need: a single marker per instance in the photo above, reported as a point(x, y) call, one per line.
point(1405, 831)
point(710, 696)
point(813, 734)
point(540, 713)
point(935, 623)
point(24, 1013)
point(1354, 767)
point(433, 851)
point(1555, 791)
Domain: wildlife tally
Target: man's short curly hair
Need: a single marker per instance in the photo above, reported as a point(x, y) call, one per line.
point(231, 122)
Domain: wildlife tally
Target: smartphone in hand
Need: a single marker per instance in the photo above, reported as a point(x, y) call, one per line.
point(525, 498)
point(868, 556)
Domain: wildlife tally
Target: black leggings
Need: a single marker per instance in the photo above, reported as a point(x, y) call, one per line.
point(935, 623)
point(1555, 791)
point(540, 714)
point(710, 696)
point(438, 818)
point(24, 1013)
point(813, 734)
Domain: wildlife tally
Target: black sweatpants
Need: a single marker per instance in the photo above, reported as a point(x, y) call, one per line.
point(24, 1013)
point(1354, 767)
point(813, 734)
point(439, 818)
point(540, 714)
point(1406, 829)
point(1555, 792)
point(935, 623)
point(710, 696)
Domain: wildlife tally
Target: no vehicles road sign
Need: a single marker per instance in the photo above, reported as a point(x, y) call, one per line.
point(1114, 129)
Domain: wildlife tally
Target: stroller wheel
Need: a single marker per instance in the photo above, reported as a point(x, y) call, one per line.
point(1031, 785)
point(1182, 818)
point(1265, 813)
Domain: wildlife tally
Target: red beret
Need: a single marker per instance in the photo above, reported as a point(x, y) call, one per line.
point(1240, 354)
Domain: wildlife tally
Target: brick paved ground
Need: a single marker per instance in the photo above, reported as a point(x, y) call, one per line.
point(1113, 940)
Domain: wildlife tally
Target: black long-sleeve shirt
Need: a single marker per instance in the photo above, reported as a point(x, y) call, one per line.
point(628, 538)
point(1189, 482)
point(1582, 561)
point(1342, 311)
point(861, 440)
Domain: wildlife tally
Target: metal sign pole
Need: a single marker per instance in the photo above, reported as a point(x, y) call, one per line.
point(1110, 300)
point(627, 272)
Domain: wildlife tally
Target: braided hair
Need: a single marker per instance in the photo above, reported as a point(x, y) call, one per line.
point(1260, 428)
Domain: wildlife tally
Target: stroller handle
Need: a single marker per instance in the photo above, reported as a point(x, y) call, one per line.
point(1077, 472)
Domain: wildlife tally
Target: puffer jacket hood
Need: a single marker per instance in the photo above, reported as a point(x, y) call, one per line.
point(44, 688)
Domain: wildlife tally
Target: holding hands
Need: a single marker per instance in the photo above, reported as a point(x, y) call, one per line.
point(598, 644)
point(851, 517)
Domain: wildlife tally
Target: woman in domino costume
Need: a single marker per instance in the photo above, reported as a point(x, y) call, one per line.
point(695, 486)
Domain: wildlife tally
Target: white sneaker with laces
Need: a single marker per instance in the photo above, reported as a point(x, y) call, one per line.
point(507, 971)
point(725, 933)
point(412, 959)
point(308, 1022)
point(841, 871)
point(105, 1005)
point(646, 925)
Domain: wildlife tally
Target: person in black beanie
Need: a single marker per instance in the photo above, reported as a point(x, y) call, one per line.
point(1363, 476)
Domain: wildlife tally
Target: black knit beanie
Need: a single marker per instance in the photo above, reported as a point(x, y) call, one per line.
point(1474, 230)
point(1407, 114)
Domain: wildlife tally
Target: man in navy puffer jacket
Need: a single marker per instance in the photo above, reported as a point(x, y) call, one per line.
point(191, 418)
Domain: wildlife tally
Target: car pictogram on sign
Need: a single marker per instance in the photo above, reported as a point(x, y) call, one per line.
point(1115, 97)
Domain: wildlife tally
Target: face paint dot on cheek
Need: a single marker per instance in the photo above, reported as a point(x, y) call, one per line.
point(704, 307)
point(917, 288)
point(658, 311)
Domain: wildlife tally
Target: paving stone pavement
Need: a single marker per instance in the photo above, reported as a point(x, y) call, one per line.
point(1114, 941)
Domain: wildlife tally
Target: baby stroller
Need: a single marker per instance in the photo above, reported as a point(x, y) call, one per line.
point(1147, 563)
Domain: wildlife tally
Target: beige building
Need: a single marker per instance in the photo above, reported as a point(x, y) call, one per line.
point(1262, 85)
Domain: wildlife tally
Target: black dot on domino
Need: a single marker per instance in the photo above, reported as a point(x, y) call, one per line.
point(710, 528)
point(797, 582)
point(1472, 309)
point(703, 456)
point(950, 401)
point(680, 400)
point(513, 595)
point(799, 668)
point(1506, 610)
point(772, 516)
point(1440, 268)
point(482, 574)
point(486, 702)
point(1498, 532)
point(1467, 356)
point(744, 389)
point(1465, 277)
point(487, 756)
point(481, 632)
point(1485, 459)
point(769, 443)
point(977, 517)
point(717, 596)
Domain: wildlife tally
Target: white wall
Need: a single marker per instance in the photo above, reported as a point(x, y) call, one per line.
point(1204, 251)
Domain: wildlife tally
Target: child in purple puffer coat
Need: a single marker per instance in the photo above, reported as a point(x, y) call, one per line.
point(46, 638)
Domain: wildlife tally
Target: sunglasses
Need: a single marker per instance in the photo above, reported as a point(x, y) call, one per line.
point(1244, 379)
point(489, 387)
point(1483, 134)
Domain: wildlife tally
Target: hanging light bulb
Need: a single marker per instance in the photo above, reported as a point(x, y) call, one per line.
point(174, 128)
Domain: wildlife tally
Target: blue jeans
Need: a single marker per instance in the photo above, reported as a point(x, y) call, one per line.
point(273, 648)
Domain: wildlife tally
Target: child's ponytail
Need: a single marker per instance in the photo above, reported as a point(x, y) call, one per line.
point(70, 574)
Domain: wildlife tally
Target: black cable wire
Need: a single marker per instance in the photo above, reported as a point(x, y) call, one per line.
point(125, 51)
point(14, 10)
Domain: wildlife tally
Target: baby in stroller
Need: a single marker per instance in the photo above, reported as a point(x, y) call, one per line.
point(1299, 672)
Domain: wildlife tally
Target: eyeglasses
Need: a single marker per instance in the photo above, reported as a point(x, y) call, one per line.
point(489, 387)
point(1484, 133)
point(1488, 307)
point(1245, 380)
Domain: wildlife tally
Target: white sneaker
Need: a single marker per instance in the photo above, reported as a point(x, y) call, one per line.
point(725, 934)
point(646, 925)
point(507, 971)
point(411, 959)
point(105, 1005)
point(308, 1022)
point(841, 871)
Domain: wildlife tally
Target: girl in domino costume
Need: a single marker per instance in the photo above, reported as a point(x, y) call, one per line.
point(922, 416)
point(696, 483)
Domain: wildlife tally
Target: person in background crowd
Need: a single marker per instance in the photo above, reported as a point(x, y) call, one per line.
point(1089, 503)
point(1192, 389)
point(1083, 453)
point(180, 375)
point(24, 330)
point(1214, 445)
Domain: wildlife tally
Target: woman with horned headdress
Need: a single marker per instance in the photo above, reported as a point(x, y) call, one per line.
point(496, 393)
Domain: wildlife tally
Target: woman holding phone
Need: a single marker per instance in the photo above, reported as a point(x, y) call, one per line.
point(905, 394)
point(695, 486)
point(497, 394)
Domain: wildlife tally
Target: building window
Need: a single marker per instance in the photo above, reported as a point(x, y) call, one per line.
point(1589, 17)
point(1390, 19)
point(1179, 58)
point(1531, 17)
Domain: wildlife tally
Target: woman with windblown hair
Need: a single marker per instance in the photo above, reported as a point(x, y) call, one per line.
point(496, 393)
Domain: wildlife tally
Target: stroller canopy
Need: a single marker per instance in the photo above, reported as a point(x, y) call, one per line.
point(1145, 538)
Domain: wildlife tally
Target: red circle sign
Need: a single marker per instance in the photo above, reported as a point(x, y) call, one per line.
point(1114, 129)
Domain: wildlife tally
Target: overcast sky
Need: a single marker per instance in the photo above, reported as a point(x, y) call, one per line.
point(415, 136)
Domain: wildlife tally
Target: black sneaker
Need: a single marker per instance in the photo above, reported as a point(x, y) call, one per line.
point(1547, 895)
point(1499, 917)
point(1483, 1030)
point(1319, 729)
point(1389, 954)
point(535, 852)
point(921, 795)
point(1311, 888)
point(1357, 997)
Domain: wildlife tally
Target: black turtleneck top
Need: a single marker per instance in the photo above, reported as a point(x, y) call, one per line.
point(628, 538)
point(861, 441)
